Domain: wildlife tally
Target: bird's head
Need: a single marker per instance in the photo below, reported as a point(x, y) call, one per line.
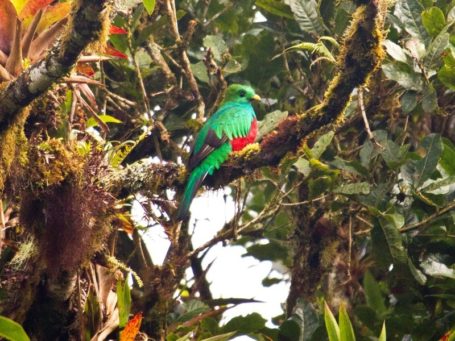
point(240, 93)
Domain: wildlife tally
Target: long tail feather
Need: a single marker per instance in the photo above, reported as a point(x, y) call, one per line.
point(211, 163)
point(194, 182)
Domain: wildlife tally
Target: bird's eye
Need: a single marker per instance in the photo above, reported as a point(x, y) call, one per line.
point(242, 93)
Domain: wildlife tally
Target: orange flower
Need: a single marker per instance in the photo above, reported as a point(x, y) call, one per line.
point(132, 328)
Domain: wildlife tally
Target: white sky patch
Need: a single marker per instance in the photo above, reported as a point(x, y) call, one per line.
point(231, 275)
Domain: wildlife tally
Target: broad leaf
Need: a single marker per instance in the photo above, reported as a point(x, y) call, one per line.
point(149, 6)
point(355, 188)
point(12, 330)
point(433, 267)
point(216, 44)
point(404, 75)
point(433, 20)
point(245, 324)
point(447, 72)
point(447, 160)
point(123, 302)
point(425, 167)
point(321, 145)
point(395, 51)
point(373, 294)
point(435, 50)
point(275, 7)
point(306, 13)
point(409, 12)
point(388, 240)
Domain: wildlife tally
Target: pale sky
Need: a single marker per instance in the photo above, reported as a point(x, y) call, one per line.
point(231, 275)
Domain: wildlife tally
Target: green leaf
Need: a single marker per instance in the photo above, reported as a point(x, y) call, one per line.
point(429, 99)
point(200, 71)
point(404, 75)
point(346, 330)
point(409, 13)
point(416, 273)
point(149, 6)
point(383, 335)
point(393, 154)
point(395, 51)
point(306, 13)
point(12, 330)
point(91, 122)
point(232, 66)
point(271, 251)
point(447, 160)
point(245, 324)
point(303, 166)
point(408, 101)
point(221, 337)
point(440, 186)
point(270, 122)
point(373, 294)
point(333, 331)
point(434, 268)
point(275, 7)
point(289, 330)
point(433, 20)
point(425, 167)
point(321, 145)
point(216, 44)
point(447, 72)
point(389, 226)
point(437, 46)
point(192, 308)
point(354, 188)
point(307, 318)
point(123, 302)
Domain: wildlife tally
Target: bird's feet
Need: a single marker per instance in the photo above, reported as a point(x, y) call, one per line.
point(248, 150)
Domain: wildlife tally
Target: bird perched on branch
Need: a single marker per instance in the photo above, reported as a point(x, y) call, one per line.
point(232, 127)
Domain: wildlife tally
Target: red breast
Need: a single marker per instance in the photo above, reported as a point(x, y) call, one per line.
point(240, 142)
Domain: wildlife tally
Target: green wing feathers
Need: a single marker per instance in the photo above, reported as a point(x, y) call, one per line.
point(213, 146)
point(236, 122)
point(210, 164)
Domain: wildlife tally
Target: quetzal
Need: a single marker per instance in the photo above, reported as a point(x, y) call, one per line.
point(230, 128)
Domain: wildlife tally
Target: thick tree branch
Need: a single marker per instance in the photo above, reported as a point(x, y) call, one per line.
point(361, 54)
point(85, 27)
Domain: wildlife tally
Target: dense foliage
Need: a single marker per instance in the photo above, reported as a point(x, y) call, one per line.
point(359, 212)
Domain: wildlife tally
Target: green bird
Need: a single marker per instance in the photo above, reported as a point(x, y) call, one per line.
point(230, 128)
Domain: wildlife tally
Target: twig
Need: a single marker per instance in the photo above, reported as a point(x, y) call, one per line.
point(349, 248)
point(145, 98)
point(185, 61)
point(364, 117)
point(2, 225)
point(306, 202)
point(428, 219)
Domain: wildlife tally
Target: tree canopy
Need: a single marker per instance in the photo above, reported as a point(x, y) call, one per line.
point(350, 187)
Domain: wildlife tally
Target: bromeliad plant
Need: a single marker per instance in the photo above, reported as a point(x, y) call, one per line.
point(27, 29)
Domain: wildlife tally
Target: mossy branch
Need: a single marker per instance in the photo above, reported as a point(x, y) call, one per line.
point(361, 54)
point(85, 27)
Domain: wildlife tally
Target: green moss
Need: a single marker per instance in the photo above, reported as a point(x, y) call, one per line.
point(51, 162)
point(13, 146)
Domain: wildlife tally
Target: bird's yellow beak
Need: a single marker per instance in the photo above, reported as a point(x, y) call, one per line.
point(256, 98)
